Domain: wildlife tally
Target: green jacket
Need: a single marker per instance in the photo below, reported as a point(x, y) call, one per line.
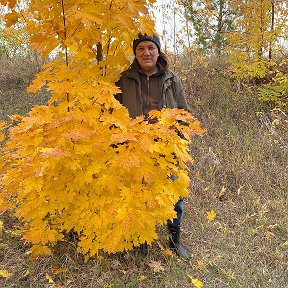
point(172, 95)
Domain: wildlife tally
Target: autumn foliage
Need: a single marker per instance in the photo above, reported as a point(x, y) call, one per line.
point(81, 163)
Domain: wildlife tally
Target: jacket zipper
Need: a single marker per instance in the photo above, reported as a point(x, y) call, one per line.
point(164, 96)
point(148, 91)
point(148, 86)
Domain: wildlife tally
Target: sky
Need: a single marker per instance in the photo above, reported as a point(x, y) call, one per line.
point(169, 19)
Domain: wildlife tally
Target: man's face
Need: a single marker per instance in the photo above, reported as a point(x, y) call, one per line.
point(147, 54)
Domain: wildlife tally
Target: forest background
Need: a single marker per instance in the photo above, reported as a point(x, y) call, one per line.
point(233, 63)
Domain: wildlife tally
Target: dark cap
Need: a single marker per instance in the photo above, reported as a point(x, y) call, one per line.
point(154, 38)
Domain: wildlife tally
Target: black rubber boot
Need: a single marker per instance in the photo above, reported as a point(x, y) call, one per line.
point(174, 242)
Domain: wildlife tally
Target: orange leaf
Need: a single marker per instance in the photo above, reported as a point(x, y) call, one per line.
point(11, 18)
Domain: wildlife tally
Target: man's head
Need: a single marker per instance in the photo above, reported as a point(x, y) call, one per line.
point(154, 38)
point(146, 49)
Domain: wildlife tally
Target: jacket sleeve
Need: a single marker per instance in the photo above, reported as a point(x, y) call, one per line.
point(179, 94)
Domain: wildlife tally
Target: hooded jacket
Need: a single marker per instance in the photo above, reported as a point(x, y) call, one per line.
point(170, 89)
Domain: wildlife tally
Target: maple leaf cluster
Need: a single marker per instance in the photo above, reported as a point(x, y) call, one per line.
point(81, 163)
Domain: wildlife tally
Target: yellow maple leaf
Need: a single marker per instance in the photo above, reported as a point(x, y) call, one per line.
point(16, 117)
point(196, 282)
point(129, 161)
point(39, 250)
point(2, 126)
point(5, 273)
point(90, 16)
point(211, 215)
point(122, 137)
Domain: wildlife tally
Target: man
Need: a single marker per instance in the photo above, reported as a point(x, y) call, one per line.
point(148, 85)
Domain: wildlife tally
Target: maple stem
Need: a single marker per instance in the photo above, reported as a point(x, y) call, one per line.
point(65, 46)
point(174, 34)
point(99, 55)
point(76, 29)
point(272, 28)
point(108, 45)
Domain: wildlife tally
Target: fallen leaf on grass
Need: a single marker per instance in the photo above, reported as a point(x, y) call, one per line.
point(168, 253)
point(211, 215)
point(142, 278)
point(197, 283)
point(156, 266)
point(57, 270)
point(197, 174)
point(200, 264)
point(5, 273)
point(1, 227)
point(222, 193)
point(49, 278)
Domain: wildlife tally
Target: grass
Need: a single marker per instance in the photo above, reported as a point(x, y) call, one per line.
point(240, 171)
point(15, 77)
